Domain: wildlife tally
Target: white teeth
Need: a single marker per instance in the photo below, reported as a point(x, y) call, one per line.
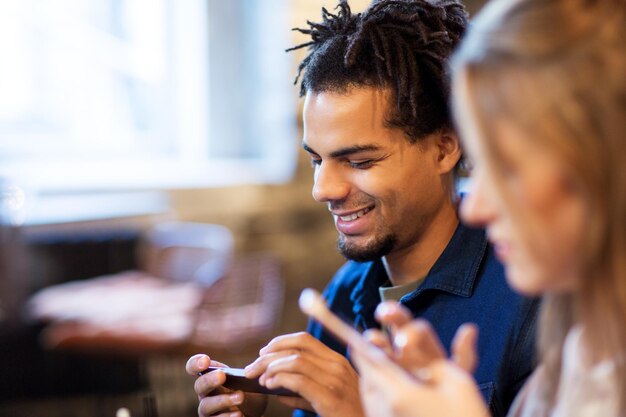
point(354, 216)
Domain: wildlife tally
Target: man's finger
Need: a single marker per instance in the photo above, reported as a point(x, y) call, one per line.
point(197, 363)
point(300, 340)
point(225, 403)
point(261, 363)
point(207, 383)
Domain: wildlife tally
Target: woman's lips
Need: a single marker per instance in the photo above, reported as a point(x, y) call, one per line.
point(502, 250)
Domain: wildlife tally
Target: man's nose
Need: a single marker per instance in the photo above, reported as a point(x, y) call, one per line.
point(330, 184)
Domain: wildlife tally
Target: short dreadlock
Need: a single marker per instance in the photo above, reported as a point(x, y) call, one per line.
point(403, 45)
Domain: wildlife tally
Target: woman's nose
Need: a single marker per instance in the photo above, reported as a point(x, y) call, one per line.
point(477, 209)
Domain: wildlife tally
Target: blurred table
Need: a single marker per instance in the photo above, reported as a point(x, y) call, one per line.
point(134, 312)
point(160, 322)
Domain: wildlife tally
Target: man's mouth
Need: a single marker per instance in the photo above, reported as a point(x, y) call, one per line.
point(355, 215)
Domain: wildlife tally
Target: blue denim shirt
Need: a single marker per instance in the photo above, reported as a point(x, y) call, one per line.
point(466, 284)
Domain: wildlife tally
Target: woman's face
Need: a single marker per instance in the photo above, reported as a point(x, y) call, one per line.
point(533, 212)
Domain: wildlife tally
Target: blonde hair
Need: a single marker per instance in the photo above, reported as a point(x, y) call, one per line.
point(557, 68)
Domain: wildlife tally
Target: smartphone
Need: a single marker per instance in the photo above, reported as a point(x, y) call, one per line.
point(237, 381)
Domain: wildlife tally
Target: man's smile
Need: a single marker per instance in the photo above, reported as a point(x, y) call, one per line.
point(350, 216)
point(353, 222)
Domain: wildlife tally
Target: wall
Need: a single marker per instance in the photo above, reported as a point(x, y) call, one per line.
point(282, 219)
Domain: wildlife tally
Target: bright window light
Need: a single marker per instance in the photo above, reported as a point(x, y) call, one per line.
point(101, 95)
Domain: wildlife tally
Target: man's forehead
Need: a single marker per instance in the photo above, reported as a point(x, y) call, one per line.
point(355, 120)
point(353, 94)
point(356, 114)
point(344, 149)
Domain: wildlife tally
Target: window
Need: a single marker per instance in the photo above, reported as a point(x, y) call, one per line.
point(100, 95)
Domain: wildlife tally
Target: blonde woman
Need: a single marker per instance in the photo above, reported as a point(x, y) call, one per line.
point(540, 99)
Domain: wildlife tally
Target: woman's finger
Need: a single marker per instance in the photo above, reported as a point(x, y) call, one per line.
point(464, 350)
point(393, 315)
point(380, 340)
point(416, 346)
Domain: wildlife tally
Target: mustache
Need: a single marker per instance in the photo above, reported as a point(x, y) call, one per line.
point(351, 204)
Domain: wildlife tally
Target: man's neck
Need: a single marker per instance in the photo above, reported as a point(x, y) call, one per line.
point(413, 263)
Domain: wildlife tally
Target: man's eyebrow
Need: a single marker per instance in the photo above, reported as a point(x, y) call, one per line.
point(345, 151)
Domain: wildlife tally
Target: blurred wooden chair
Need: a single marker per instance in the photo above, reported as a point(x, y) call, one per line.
point(187, 252)
point(190, 295)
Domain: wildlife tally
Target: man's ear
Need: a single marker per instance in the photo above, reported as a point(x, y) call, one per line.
point(449, 150)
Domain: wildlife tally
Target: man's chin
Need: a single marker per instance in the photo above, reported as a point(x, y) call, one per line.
point(356, 255)
point(365, 252)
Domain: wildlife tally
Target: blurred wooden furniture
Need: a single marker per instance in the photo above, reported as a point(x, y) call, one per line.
point(133, 312)
point(192, 297)
point(187, 252)
point(178, 301)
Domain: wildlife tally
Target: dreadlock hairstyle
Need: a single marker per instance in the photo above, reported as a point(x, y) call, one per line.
point(402, 45)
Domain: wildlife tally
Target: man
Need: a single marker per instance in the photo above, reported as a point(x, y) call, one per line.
point(377, 129)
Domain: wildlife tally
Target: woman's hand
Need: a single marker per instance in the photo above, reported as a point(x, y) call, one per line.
point(417, 379)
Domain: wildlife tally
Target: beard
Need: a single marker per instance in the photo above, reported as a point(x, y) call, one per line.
point(371, 251)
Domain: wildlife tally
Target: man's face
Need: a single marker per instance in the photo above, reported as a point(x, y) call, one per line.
point(383, 192)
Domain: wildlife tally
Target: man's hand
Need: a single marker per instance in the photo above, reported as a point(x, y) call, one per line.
point(216, 400)
point(326, 381)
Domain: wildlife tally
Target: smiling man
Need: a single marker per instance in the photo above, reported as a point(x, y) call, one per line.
point(384, 154)
point(391, 199)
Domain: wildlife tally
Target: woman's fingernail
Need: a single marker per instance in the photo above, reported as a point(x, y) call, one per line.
point(385, 308)
point(424, 374)
point(400, 340)
point(236, 398)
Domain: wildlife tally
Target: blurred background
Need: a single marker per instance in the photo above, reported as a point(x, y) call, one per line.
point(154, 202)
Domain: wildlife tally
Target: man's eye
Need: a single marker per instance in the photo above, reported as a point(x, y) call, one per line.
point(315, 162)
point(361, 164)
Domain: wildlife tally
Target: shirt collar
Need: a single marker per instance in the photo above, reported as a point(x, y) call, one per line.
point(454, 272)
